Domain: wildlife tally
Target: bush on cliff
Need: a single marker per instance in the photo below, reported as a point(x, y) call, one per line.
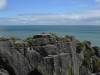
point(29, 40)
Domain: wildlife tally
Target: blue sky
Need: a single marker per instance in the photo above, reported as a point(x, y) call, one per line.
point(49, 12)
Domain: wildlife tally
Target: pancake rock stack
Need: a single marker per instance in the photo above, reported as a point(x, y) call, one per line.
point(46, 54)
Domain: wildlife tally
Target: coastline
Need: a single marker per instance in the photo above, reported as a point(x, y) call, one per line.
point(89, 32)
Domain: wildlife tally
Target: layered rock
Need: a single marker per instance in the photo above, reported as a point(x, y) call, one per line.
point(62, 57)
point(15, 62)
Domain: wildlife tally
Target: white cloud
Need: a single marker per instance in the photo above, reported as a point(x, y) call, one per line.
point(86, 18)
point(3, 4)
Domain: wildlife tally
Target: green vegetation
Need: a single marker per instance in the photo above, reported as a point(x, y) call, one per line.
point(91, 54)
point(80, 47)
point(70, 71)
point(29, 40)
point(54, 35)
point(97, 65)
point(18, 46)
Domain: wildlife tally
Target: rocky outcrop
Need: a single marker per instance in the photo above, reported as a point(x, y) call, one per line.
point(15, 62)
point(62, 57)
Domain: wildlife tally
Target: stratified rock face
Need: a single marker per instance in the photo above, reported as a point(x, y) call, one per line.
point(58, 58)
point(14, 62)
point(3, 72)
point(17, 63)
point(55, 64)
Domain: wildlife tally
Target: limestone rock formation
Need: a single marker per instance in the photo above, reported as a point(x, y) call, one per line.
point(62, 57)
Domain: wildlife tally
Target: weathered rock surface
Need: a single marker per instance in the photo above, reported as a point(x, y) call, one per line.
point(14, 62)
point(59, 58)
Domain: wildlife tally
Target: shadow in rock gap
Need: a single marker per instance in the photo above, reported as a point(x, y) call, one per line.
point(35, 72)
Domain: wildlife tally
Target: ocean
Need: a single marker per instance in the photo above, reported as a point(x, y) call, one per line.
point(90, 33)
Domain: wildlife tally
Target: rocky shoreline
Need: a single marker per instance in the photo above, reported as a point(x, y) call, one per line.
point(48, 54)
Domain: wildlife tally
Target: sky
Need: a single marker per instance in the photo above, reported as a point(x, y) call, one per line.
point(49, 12)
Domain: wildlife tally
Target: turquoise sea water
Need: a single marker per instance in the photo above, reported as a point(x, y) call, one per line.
point(91, 33)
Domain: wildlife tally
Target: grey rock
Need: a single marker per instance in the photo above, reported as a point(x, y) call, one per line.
point(44, 58)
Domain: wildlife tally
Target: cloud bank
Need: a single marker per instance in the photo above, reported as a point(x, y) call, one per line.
point(91, 17)
point(86, 18)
